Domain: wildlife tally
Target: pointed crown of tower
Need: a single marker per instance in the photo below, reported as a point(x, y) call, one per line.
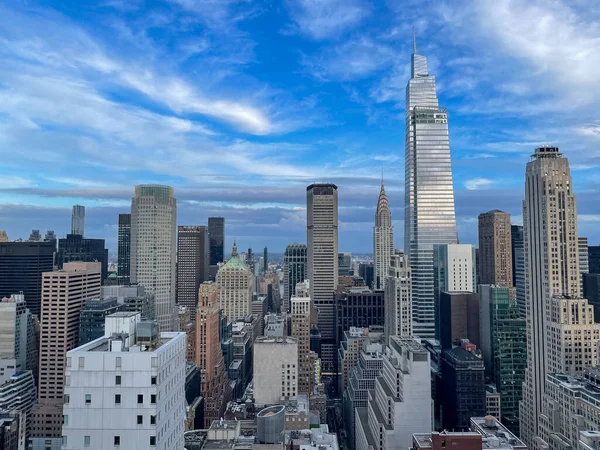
point(383, 215)
point(234, 251)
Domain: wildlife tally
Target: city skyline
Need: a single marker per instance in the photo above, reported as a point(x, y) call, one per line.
point(333, 115)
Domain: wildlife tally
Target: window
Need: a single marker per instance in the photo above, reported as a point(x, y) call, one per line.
point(117, 399)
point(118, 380)
point(67, 399)
point(81, 362)
point(118, 360)
point(64, 441)
point(117, 440)
point(152, 420)
point(86, 441)
point(65, 420)
point(88, 399)
point(153, 380)
point(140, 398)
point(153, 399)
point(152, 440)
point(140, 420)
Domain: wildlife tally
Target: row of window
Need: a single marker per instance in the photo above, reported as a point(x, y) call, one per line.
point(87, 441)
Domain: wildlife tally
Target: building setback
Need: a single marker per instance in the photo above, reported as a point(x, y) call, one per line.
point(397, 297)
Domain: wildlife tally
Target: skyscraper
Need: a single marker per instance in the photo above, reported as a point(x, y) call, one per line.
point(383, 239)
point(551, 268)
point(64, 293)
point(429, 216)
point(300, 307)
point(495, 251)
point(518, 263)
point(124, 247)
point(153, 248)
point(192, 264)
point(322, 240)
point(398, 305)
point(265, 260)
point(21, 268)
point(584, 263)
point(594, 258)
point(216, 233)
point(78, 220)
point(77, 248)
point(235, 285)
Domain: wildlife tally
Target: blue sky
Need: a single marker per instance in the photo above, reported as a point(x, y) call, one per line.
point(240, 104)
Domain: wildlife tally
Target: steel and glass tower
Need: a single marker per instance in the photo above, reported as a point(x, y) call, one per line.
point(429, 196)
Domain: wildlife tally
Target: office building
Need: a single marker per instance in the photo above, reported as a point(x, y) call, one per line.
point(266, 260)
point(18, 346)
point(193, 256)
point(429, 216)
point(345, 268)
point(401, 404)
point(495, 249)
point(93, 315)
point(76, 248)
point(367, 272)
point(383, 240)
point(584, 266)
point(275, 369)
point(518, 261)
point(78, 220)
point(124, 248)
point(360, 308)
point(397, 297)
point(453, 271)
point(209, 357)
point(591, 291)
point(216, 235)
point(235, 285)
point(459, 318)
point(353, 342)
point(322, 254)
point(140, 402)
point(294, 272)
point(300, 307)
point(133, 297)
point(463, 387)
point(153, 248)
point(64, 293)
point(594, 258)
point(361, 384)
point(21, 268)
point(503, 343)
point(550, 239)
point(187, 326)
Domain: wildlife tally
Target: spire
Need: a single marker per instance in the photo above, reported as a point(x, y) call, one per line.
point(414, 41)
point(383, 216)
point(234, 252)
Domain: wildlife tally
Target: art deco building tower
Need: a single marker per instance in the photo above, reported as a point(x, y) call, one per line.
point(383, 239)
point(428, 195)
point(551, 273)
point(153, 247)
point(235, 285)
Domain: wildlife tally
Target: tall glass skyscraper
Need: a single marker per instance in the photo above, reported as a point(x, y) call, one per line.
point(429, 216)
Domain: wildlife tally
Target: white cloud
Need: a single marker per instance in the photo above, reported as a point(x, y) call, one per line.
point(476, 184)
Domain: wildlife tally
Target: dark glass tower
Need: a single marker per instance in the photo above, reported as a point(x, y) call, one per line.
point(21, 268)
point(216, 233)
point(124, 247)
point(192, 264)
point(77, 248)
point(294, 271)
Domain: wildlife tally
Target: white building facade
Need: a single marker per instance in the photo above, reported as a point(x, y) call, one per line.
point(121, 393)
point(275, 370)
point(398, 297)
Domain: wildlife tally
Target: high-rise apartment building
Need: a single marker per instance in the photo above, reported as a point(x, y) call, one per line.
point(300, 307)
point(551, 268)
point(216, 235)
point(235, 284)
point(75, 248)
point(275, 369)
point(322, 254)
point(140, 401)
point(193, 256)
point(429, 216)
point(124, 247)
point(503, 343)
point(401, 404)
point(209, 357)
point(518, 263)
point(453, 271)
point(21, 268)
point(153, 248)
point(495, 249)
point(78, 220)
point(64, 294)
point(463, 387)
point(294, 271)
point(398, 296)
point(383, 239)
point(18, 346)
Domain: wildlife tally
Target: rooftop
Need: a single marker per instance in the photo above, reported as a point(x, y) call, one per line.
point(495, 435)
point(275, 340)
